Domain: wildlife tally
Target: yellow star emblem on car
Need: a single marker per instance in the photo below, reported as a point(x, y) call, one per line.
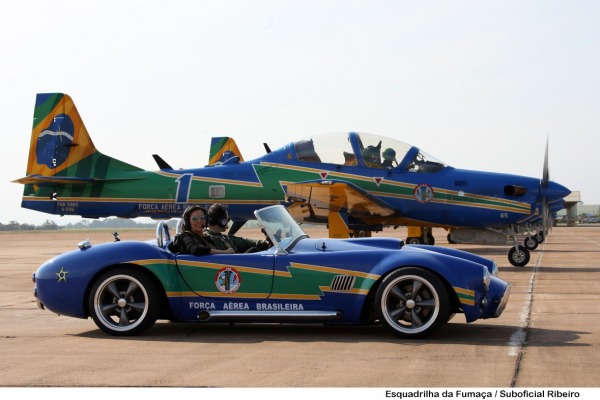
point(62, 274)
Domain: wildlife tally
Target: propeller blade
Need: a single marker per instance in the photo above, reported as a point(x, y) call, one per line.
point(545, 216)
point(544, 196)
point(546, 172)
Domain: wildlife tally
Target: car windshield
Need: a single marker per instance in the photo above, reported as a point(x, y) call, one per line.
point(279, 225)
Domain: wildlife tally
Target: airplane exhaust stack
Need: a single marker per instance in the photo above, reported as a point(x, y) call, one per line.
point(514, 190)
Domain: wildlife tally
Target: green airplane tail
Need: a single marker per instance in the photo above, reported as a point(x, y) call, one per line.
point(61, 151)
point(223, 149)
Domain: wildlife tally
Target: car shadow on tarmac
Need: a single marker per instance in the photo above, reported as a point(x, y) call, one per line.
point(452, 333)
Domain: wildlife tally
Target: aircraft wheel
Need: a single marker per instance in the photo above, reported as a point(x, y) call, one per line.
point(520, 257)
point(450, 240)
point(430, 239)
point(540, 237)
point(530, 243)
point(413, 240)
point(124, 302)
point(412, 303)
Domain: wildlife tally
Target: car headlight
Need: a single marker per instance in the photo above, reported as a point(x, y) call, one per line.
point(494, 268)
point(487, 278)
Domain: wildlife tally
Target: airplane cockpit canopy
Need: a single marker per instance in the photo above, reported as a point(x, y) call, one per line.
point(367, 150)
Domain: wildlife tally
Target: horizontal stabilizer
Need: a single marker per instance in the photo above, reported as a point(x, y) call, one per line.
point(64, 180)
point(162, 164)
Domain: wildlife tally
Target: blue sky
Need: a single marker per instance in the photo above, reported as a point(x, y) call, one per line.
point(477, 84)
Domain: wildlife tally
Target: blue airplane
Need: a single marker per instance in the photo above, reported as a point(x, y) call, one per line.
point(356, 183)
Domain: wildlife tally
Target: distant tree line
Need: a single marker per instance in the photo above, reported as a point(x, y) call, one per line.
point(108, 223)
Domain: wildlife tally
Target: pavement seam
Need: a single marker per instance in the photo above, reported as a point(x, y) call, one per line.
point(519, 339)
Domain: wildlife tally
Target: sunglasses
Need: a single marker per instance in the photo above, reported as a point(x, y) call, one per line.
point(197, 219)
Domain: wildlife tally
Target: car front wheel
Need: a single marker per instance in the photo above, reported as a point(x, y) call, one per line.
point(412, 302)
point(124, 301)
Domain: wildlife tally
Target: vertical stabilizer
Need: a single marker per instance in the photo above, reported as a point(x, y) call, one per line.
point(61, 150)
point(223, 149)
point(59, 138)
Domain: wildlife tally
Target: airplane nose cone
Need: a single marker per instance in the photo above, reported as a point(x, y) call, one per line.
point(554, 191)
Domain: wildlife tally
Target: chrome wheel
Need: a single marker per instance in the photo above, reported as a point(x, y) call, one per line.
point(412, 302)
point(123, 303)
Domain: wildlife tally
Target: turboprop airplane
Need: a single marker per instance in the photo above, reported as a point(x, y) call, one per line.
point(356, 183)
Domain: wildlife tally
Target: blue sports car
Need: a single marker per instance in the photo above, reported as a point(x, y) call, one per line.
point(411, 290)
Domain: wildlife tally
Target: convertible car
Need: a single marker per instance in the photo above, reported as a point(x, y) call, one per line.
point(411, 290)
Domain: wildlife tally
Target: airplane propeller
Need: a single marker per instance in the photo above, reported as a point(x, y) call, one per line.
point(544, 192)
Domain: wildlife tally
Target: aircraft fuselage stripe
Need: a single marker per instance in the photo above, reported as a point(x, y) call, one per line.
point(466, 199)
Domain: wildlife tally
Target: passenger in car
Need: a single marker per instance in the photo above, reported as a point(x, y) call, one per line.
point(192, 239)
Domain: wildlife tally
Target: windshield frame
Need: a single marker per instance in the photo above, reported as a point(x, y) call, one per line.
point(275, 221)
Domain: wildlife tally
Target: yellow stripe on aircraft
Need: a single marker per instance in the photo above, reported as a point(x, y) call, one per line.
point(507, 205)
point(213, 180)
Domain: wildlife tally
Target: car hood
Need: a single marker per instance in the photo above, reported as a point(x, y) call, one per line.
point(326, 245)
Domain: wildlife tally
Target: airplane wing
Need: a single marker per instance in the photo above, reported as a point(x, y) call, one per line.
point(318, 198)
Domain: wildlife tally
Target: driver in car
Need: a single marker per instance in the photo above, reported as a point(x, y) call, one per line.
point(217, 219)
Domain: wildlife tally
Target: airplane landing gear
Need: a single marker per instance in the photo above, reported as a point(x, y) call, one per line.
point(418, 235)
point(530, 242)
point(518, 256)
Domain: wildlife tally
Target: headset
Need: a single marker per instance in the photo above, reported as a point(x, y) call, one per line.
point(187, 225)
point(217, 215)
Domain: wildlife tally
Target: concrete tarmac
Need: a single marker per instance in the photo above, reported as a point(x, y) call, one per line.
point(548, 336)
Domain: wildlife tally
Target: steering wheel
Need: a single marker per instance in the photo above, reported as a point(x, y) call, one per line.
point(163, 235)
point(267, 238)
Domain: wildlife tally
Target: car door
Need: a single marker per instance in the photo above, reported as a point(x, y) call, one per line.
point(248, 276)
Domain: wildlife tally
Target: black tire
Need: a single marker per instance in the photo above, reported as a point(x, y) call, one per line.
point(540, 237)
point(124, 302)
point(520, 257)
point(430, 239)
point(530, 243)
point(413, 240)
point(412, 303)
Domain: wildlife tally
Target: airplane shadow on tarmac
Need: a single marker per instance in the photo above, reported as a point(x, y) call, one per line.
point(548, 268)
point(452, 333)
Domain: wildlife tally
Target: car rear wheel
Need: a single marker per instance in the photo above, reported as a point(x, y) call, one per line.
point(412, 302)
point(124, 301)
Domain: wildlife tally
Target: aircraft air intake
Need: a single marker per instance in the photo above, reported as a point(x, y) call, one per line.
point(514, 190)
